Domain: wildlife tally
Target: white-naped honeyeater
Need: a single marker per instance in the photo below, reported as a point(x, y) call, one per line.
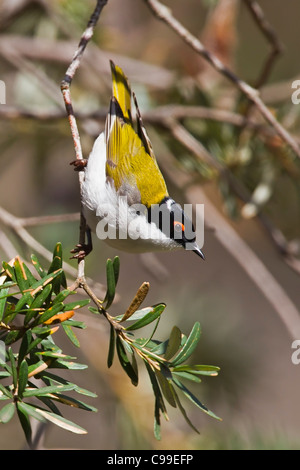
point(124, 195)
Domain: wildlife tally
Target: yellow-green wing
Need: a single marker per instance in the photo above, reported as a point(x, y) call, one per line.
point(131, 163)
point(130, 167)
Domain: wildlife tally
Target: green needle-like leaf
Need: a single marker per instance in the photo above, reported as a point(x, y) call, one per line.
point(198, 369)
point(111, 283)
point(166, 388)
point(37, 266)
point(187, 376)
point(30, 410)
point(13, 367)
point(149, 317)
point(189, 345)
point(193, 399)
point(61, 422)
point(34, 392)
point(183, 411)
point(111, 350)
point(71, 335)
point(25, 421)
point(125, 363)
point(7, 412)
point(116, 266)
point(23, 377)
point(6, 392)
point(4, 293)
point(173, 343)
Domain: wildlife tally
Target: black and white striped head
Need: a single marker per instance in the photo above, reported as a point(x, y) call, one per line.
point(175, 224)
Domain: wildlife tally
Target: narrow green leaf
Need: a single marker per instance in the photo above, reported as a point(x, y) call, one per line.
point(116, 266)
point(75, 305)
point(50, 404)
point(6, 284)
point(13, 367)
point(31, 279)
point(134, 316)
point(35, 366)
point(70, 401)
point(125, 363)
point(26, 299)
point(9, 271)
point(111, 350)
point(165, 388)
point(37, 266)
point(75, 323)
point(158, 347)
point(62, 364)
point(49, 313)
point(187, 375)
point(83, 391)
point(111, 284)
point(94, 310)
point(57, 259)
point(62, 422)
point(198, 369)
point(49, 377)
point(55, 265)
point(48, 279)
point(156, 390)
point(183, 411)
point(159, 402)
point(56, 354)
point(25, 422)
point(13, 336)
point(71, 335)
point(21, 277)
point(194, 399)
point(4, 293)
point(58, 250)
point(173, 343)
point(156, 428)
point(7, 412)
point(156, 311)
point(46, 390)
point(26, 340)
point(41, 298)
point(30, 410)
point(3, 374)
point(62, 295)
point(23, 377)
point(189, 345)
point(6, 391)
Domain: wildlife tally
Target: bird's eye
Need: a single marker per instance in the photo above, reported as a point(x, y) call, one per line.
point(178, 226)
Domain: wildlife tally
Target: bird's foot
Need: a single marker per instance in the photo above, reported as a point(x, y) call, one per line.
point(81, 251)
point(79, 164)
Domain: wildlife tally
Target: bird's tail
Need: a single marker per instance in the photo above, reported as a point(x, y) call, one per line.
point(121, 90)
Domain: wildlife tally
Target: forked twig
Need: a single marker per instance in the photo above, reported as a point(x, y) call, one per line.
point(270, 35)
point(163, 13)
point(65, 88)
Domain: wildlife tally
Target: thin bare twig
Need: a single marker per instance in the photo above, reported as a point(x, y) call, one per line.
point(65, 88)
point(237, 247)
point(182, 135)
point(67, 80)
point(17, 225)
point(163, 13)
point(271, 36)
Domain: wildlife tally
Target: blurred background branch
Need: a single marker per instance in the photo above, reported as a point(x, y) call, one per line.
point(240, 158)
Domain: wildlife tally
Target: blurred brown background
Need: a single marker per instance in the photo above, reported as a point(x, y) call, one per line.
point(257, 390)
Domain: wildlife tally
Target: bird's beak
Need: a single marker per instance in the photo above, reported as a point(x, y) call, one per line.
point(197, 250)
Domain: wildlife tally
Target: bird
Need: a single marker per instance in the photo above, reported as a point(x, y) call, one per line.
point(125, 199)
